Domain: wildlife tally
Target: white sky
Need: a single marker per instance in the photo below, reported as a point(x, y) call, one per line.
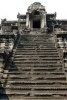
point(10, 8)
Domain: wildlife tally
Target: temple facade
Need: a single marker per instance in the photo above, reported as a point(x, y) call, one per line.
point(33, 56)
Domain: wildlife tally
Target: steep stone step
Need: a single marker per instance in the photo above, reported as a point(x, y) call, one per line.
point(60, 80)
point(35, 43)
point(31, 55)
point(34, 75)
point(17, 71)
point(35, 67)
point(40, 78)
point(41, 92)
point(35, 37)
point(38, 87)
point(32, 66)
point(38, 61)
point(36, 72)
point(27, 50)
point(36, 46)
point(41, 59)
point(41, 48)
point(19, 97)
point(36, 53)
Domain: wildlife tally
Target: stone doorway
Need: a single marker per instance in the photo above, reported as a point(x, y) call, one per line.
point(36, 16)
point(36, 24)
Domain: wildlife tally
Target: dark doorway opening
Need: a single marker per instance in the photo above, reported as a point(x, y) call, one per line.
point(36, 24)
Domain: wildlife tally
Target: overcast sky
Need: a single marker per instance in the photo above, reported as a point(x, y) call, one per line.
point(10, 8)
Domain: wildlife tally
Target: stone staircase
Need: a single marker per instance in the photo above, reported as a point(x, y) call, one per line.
point(36, 72)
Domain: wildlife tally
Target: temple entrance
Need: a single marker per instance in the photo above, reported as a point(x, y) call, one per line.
point(36, 17)
point(36, 24)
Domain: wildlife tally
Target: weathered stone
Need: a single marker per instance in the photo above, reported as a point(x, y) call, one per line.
point(31, 64)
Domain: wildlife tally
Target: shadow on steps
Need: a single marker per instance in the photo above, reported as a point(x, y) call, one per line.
point(3, 95)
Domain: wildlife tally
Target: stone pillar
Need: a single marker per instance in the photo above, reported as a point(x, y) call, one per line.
point(27, 20)
point(31, 23)
point(42, 21)
point(45, 19)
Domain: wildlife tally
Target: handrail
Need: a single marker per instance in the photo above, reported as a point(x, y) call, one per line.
point(9, 56)
point(15, 46)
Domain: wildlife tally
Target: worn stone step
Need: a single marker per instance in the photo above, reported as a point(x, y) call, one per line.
point(33, 68)
point(45, 53)
point(36, 39)
point(38, 87)
point(36, 58)
point(42, 55)
point(36, 51)
point(36, 78)
point(35, 64)
point(35, 36)
point(32, 40)
point(36, 81)
point(17, 72)
point(43, 92)
point(41, 48)
point(25, 67)
point(25, 79)
point(36, 54)
point(19, 97)
point(20, 76)
point(48, 82)
point(32, 76)
point(38, 61)
point(36, 46)
point(25, 50)
point(34, 43)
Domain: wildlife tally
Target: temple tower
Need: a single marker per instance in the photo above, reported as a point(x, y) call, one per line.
point(36, 16)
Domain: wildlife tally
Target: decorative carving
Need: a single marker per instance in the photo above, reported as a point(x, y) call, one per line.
point(3, 20)
point(36, 6)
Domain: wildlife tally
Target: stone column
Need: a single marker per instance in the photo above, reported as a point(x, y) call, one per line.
point(42, 21)
point(27, 20)
point(31, 23)
point(45, 19)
